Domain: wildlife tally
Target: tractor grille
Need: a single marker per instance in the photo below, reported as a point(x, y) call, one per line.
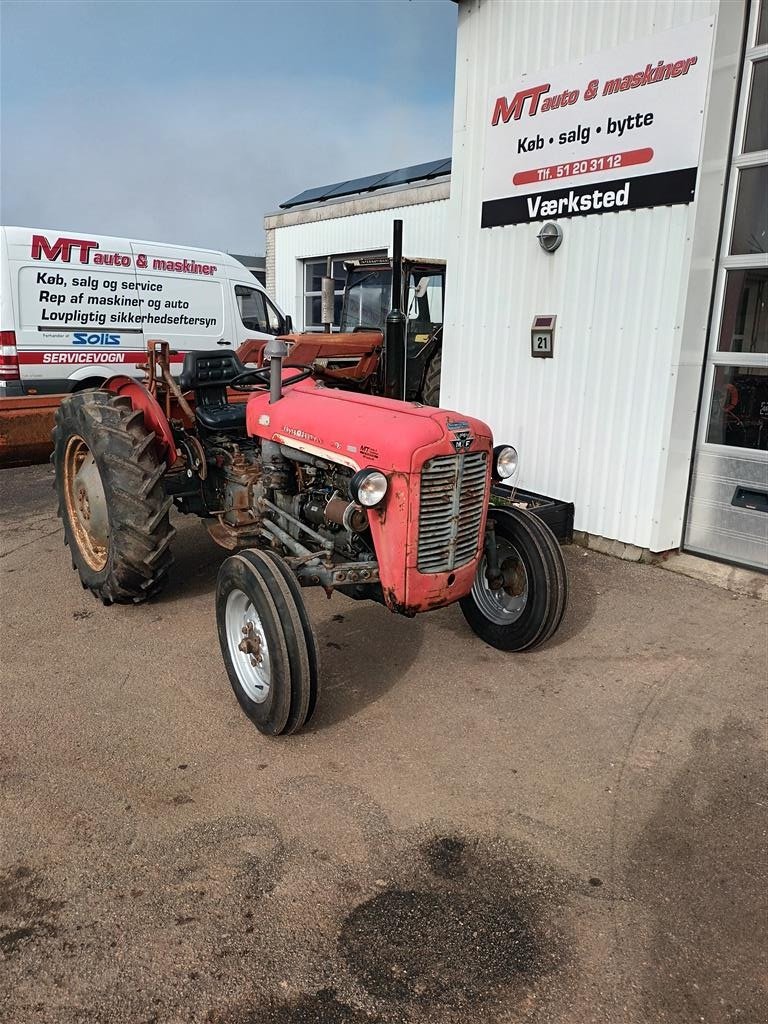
point(452, 504)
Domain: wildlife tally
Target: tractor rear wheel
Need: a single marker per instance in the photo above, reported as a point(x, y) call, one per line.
point(431, 390)
point(262, 635)
point(110, 497)
point(527, 609)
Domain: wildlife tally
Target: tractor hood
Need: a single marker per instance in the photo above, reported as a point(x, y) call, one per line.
point(358, 430)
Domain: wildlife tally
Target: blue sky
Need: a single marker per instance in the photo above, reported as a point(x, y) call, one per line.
point(188, 121)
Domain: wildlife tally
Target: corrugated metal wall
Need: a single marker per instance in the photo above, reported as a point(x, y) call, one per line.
point(425, 234)
point(594, 424)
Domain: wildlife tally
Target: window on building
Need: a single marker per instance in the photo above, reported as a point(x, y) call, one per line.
point(738, 385)
point(745, 312)
point(756, 137)
point(739, 410)
point(750, 226)
point(314, 272)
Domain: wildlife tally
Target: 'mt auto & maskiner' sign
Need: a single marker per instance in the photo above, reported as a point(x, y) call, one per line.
point(615, 131)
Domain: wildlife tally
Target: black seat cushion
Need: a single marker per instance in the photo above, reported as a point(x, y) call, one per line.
point(209, 369)
point(219, 418)
point(208, 374)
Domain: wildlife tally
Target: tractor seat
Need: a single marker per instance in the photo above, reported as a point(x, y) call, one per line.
point(208, 374)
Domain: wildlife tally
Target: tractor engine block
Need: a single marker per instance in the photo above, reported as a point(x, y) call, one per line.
point(320, 498)
point(242, 482)
point(233, 483)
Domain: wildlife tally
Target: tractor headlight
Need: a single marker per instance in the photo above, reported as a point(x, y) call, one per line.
point(368, 487)
point(504, 461)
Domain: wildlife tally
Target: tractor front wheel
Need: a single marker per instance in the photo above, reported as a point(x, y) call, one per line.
point(110, 496)
point(267, 642)
point(524, 608)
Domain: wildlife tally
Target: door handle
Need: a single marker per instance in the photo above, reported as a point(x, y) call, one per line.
point(222, 342)
point(751, 498)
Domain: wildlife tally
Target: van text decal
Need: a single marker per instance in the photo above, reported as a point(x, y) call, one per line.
point(88, 356)
point(100, 338)
point(62, 250)
point(91, 302)
point(83, 357)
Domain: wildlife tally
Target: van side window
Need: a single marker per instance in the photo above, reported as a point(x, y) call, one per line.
point(252, 309)
point(274, 318)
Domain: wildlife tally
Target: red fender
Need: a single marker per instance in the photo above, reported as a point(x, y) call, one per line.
point(251, 351)
point(154, 417)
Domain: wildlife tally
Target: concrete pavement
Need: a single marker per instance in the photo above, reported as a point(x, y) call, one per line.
point(576, 834)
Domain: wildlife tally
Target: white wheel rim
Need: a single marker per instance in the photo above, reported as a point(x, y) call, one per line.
point(247, 643)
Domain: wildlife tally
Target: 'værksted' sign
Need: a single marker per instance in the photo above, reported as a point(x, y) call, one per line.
point(615, 131)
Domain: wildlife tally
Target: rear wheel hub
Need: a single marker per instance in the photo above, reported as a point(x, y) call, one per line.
point(86, 503)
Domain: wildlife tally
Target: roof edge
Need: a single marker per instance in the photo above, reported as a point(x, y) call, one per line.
point(431, 192)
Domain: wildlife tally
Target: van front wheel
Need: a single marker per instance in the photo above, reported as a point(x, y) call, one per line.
point(109, 484)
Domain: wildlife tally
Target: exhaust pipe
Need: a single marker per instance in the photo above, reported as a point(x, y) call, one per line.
point(397, 261)
point(327, 299)
point(275, 351)
point(394, 329)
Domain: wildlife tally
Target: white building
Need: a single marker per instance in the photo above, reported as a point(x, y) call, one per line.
point(640, 129)
point(618, 421)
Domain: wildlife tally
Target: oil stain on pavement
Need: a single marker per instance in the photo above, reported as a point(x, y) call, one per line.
point(476, 928)
point(459, 928)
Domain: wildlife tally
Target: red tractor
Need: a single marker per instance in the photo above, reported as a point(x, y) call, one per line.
point(310, 485)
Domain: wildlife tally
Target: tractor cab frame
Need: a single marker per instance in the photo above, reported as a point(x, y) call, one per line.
point(391, 337)
point(366, 304)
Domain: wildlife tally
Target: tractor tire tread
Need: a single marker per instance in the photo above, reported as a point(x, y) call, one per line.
point(288, 613)
point(313, 649)
point(140, 532)
point(549, 541)
point(431, 389)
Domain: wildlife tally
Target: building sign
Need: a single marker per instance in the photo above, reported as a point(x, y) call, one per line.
point(615, 131)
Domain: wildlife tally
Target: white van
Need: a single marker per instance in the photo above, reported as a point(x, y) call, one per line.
point(76, 309)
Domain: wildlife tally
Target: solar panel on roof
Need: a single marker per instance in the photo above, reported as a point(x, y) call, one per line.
point(348, 188)
point(371, 183)
point(418, 172)
point(443, 167)
point(311, 195)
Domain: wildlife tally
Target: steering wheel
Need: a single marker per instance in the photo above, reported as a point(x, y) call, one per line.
point(257, 378)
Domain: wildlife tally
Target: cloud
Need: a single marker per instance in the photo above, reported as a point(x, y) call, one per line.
point(201, 164)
